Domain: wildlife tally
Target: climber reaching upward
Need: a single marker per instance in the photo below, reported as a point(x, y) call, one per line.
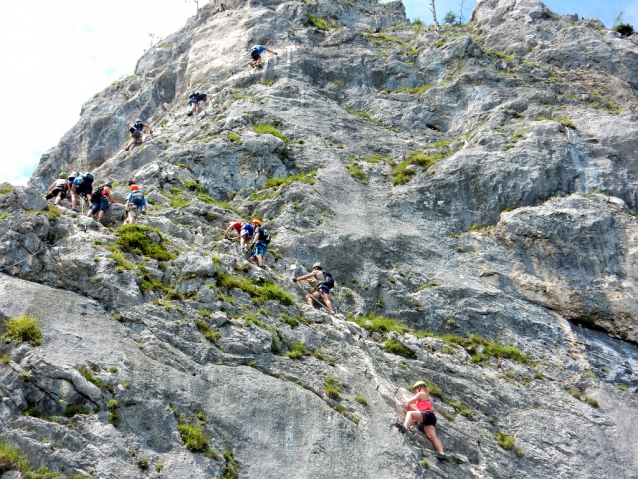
point(137, 133)
point(135, 204)
point(58, 189)
point(194, 99)
point(82, 186)
point(324, 282)
point(255, 53)
point(244, 232)
point(420, 412)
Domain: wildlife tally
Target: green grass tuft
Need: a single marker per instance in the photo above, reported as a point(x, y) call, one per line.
point(209, 333)
point(259, 289)
point(380, 324)
point(505, 441)
point(395, 347)
point(265, 128)
point(137, 239)
point(23, 329)
point(297, 351)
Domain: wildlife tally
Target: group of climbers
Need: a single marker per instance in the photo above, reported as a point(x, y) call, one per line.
point(253, 240)
point(80, 186)
point(247, 232)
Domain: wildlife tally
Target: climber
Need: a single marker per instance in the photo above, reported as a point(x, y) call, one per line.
point(324, 282)
point(137, 133)
point(82, 186)
point(100, 199)
point(135, 204)
point(58, 189)
point(256, 52)
point(244, 231)
point(260, 244)
point(194, 99)
point(422, 414)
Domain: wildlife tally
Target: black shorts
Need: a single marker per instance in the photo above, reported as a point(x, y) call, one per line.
point(255, 55)
point(83, 189)
point(55, 193)
point(428, 417)
point(136, 134)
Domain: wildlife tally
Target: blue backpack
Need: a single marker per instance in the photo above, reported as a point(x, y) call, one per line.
point(137, 198)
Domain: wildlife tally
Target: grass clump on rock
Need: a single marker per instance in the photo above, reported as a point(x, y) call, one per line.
point(331, 387)
point(192, 431)
point(265, 128)
point(11, 459)
point(395, 347)
point(404, 170)
point(23, 329)
point(505, 441)
point(137, 239)
point(297, 351)
point(380, 324)
point(209, 333)
point(259, 289)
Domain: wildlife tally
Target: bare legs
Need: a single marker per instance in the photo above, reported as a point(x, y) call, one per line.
point(430, 431)
point(323, 296)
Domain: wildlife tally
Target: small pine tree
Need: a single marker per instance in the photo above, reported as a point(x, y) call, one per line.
point(450, 17)
point(625, 29)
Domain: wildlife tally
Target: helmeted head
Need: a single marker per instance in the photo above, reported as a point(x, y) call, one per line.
point(138, 120)
point(63, 175)
point(135, 188)
point(75, 174)
point(419, 384)
point(108, 184)
point(256, 222)
point(86, 173)
point(317, 266)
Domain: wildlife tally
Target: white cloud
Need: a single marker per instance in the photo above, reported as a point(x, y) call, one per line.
point(56, 55)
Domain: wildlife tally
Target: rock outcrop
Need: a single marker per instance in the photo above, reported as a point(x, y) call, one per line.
point(478, 186)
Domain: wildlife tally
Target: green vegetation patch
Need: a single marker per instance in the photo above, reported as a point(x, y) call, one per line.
point(499, 351)
point(302, 177)
point(357, 173)
point(209, 333)
point(88, 375)
point(505, 441)
point(297, 351)
point(380, 324)
point(320, 23)
point(11, 459)
point(5, 189)
point(23, 329)
point(395, 347)
point(137, 239)
point(259, 289)
point(415, 90)
point(402, 173)
point(387, 38)
point(194, 437)
point(265, 128)
point(363, 115)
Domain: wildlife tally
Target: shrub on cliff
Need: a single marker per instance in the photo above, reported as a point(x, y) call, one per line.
point(23, 329)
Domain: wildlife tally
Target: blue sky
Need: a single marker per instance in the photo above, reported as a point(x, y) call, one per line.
point(58, 54)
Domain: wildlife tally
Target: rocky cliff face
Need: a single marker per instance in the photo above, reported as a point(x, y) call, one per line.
point(478, 186)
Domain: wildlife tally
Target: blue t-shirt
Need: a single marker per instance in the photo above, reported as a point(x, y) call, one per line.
point(259, 48)
point(130, 198)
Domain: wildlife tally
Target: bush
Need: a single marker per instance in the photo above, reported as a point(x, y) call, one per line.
point(23, 329)
point(395, 347)
point(73, 409)
point(11, 460)
point(331, 387)
point(303, 177)
point(625, 29)
point(137, 238)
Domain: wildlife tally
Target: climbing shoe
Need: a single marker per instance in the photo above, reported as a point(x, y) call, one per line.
point(441, 456)
point(190, 113)
point(402, 429)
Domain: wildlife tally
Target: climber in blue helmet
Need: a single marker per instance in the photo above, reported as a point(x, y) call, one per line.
point(255, 53)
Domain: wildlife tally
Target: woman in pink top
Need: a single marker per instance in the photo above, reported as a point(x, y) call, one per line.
point(420, 412)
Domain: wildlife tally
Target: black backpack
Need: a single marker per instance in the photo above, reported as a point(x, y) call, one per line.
point(96, 196)
point(137, 198)
point(265, 236)
point(137, 126)
point(329, 281)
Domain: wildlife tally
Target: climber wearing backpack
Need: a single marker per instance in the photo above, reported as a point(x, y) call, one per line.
point(135, 205)
point(244, 231)
point(420, 412)
point(194, 99)
point(324, 282)
point(260, 244)
point(58, 189)
point(100, 199)
point(82, 186)
point(137, 133)
point(255, 53)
